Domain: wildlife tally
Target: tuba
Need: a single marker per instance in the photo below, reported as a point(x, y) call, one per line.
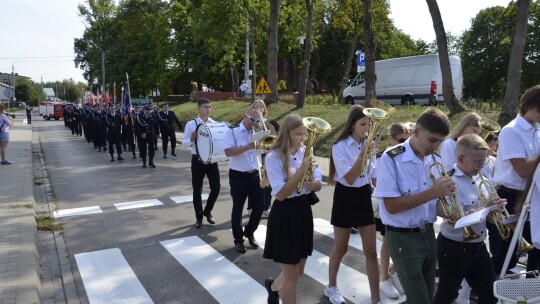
point(451, 205)
point(488, 126)
point(499, 218)
point(315, 126)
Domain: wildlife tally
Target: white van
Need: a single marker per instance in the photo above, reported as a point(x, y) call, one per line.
point(407, 80)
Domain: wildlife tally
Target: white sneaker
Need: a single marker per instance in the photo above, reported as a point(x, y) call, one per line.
point(464, 293)
point(266, 214)
point(387, 287)
point(334, 295)
point(395, 280)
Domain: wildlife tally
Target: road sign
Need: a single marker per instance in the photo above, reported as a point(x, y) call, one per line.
point(262, 87)
point(361, 60)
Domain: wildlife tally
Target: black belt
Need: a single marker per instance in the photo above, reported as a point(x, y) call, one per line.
point(248, 172)
point(421, 229)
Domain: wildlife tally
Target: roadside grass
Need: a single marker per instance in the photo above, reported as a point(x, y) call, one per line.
point(47, 223)
point(335, 114)
point(17, 206)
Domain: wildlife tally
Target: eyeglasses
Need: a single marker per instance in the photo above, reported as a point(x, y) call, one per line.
point(253, 119)
point(401, 140)
point(478, 163)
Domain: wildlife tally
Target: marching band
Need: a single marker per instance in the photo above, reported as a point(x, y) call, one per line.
point(411, 183)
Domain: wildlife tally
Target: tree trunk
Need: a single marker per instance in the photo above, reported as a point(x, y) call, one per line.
point(513, 77)
point(273, 49)
point(442, 46)
point(369, 41)
point(254, 66)
point(348, 60)
point(306, 58)
point(234, 76)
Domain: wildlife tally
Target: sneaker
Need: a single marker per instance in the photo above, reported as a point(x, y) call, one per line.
point(395, 280)
point(388, 289)
point(334, 295)
point(5, 162)
point(266, 213)
point(273, 296)
point(464, 293)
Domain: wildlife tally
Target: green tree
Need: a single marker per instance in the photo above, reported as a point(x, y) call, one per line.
point(24, 89)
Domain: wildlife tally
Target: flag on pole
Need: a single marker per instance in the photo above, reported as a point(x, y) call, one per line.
point(92, 98)
point(127, 99)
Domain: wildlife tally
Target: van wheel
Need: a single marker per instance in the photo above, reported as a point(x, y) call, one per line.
point(407, 100)
point(46, 117)
point(349, 100)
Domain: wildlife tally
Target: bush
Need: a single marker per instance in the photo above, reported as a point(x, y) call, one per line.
point(322, 100)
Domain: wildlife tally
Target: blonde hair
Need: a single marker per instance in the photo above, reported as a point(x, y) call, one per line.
point(257, 101)
point(291, 122)
point(398, 128)
point(470, 143)
point(470, 119)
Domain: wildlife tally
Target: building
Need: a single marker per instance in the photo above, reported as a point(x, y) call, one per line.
point(6, 92)
point(10, 79)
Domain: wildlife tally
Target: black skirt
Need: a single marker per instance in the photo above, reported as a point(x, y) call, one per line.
point(352, 206)
point(289, 236)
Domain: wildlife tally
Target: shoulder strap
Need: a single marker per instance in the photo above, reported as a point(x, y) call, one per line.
point(396, 151)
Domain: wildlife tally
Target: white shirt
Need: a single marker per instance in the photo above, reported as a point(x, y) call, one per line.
point(468, 195)
point(344, 153)
point(489, 168)
point(243, 87)
point(245, 161)
point(405, 174)
point(278, 177)
point(448, 154)
point(518, 139)
point(191, 127)
point(534, 215)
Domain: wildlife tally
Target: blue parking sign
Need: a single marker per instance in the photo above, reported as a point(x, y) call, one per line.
point(361, 60)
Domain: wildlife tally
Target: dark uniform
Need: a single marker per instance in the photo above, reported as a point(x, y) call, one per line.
point(128, 132)
point(114, 126)
point(166, 121)
point(145, 129)
point(100, 127)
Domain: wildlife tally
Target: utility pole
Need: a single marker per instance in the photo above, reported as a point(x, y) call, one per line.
point(102, 67)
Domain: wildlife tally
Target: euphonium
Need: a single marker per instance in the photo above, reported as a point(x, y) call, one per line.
point(315, 126)
point(450, 204)
point(488, 126)
point(498, 218)
point(376, 119)
point(267, 142)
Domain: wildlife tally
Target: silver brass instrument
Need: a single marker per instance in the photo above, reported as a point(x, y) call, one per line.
point(451, 205)
point(488, 126)
point(315, 126)
point(498, 219)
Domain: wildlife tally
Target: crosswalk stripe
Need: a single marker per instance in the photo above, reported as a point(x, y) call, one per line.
point(108, 278)
point(222, 279)
point(323, 226)
point(138, 204)
point(187, 198)
point(77, 211)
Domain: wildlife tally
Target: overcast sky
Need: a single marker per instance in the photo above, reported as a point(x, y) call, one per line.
point(37, 36)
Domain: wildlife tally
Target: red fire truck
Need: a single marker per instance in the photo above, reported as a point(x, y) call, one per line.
point(51, 109)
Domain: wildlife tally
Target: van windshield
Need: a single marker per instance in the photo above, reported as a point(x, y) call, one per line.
point(358, 80)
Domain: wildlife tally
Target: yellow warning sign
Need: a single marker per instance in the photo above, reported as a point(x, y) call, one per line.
point(262, 87)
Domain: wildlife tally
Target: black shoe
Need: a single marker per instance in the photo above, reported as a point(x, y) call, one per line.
point(198, 224)
point(210, 219)
point(252, 241)
point(112, 158)
point(156, 149)
point(164, 156)
point(144, 165)
point(99, 150)
point(273, 296)
point(134, 156)
point(152, 165)
point(105, 149)
point(120, 158)
point(240, 247)
point(173, 154)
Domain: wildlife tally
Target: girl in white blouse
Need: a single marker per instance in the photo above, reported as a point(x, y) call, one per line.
point(467, 125)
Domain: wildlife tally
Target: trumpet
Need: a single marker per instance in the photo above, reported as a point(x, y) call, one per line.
point(315, 126)
point(488, 126)
point(499, 218)
point(451, 205)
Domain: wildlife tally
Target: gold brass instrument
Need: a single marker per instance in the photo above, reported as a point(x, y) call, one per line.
point(383, 106)
point(410, 126)
point(267, 142)
point(315, 126)
point(451, 205)
point(376, 120)
point(488, 126)
point(498, 218)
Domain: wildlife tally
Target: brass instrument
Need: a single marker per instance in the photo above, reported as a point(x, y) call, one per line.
point(376, 119)
point(267, 142)
point(410, 126)
point(315, 126)
point(488, 126)
point(383, 106)
point(498, 218)
point(451, 205)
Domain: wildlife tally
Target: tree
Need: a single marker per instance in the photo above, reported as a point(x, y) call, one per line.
point(513, 78)
point(369, 41)
point(273, 49)
point(24, 89)
point(306, 57)
point(448, 86)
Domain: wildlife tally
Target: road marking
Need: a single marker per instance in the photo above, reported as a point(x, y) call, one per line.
point(138, 204)
point(323, 226)
point(187, 198)
point(77, 211)
point(108, 278)
point(220, 277)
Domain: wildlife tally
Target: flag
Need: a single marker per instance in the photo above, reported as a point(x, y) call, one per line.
point(127, 100)
point(92, 98)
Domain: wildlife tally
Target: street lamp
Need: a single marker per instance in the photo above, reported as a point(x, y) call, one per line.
point(102, 66)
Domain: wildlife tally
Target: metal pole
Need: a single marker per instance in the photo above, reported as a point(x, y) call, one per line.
point(246, 72)
point(102, 69)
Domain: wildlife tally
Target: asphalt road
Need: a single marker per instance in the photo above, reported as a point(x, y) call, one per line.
point(82, 177)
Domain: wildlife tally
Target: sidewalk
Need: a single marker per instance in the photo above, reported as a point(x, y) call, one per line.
point(19, 262)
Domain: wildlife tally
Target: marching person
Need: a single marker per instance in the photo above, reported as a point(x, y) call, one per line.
point(352, 203)
point(145, 126)
point(467, 125)
point(519, 150)
point(199, 169)
point(244, 179)
point(460, 259)
point(128, 132)
point(289, 236)
point(166, 125)
point(407, 204)
point(114, 127)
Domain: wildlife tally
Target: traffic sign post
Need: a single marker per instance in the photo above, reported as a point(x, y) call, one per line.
point(262, 87)
point(360, 61)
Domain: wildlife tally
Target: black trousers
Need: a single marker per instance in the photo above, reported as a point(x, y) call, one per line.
point(244, 185)
point(114, 140)
point(144, 144)
point(458, 261)
point(29, 119)
point(198, 171)
point(166, 135)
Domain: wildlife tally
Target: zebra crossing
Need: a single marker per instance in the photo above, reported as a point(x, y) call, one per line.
point(107, 277)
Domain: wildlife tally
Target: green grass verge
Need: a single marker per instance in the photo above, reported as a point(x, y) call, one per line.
point(47, 223)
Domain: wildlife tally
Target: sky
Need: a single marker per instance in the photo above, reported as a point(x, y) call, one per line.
point(37, 37)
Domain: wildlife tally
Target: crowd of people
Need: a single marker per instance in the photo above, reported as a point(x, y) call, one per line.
point(401, 193)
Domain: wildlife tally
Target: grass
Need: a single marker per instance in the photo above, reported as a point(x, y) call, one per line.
point(47, 223)
point(17, 206)
point(335, 114)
